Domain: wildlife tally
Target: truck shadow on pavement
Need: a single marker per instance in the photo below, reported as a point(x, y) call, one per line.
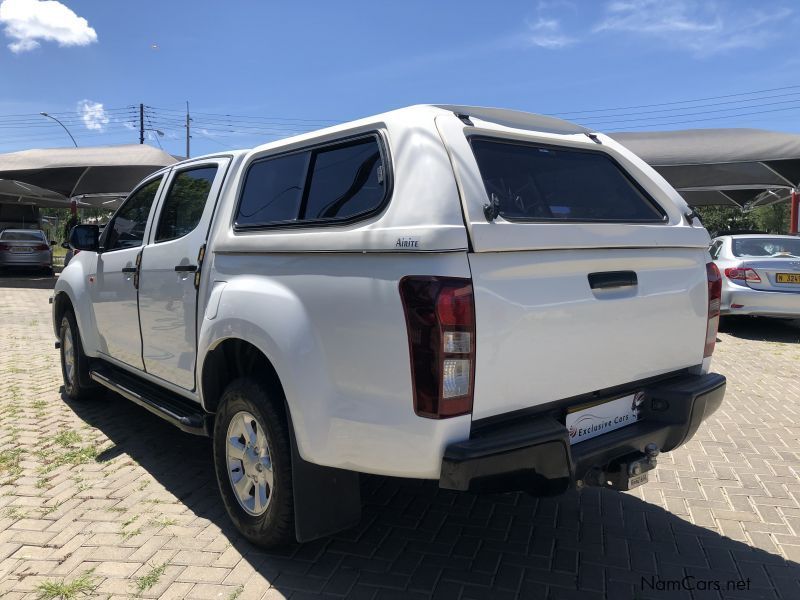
point(417, 541)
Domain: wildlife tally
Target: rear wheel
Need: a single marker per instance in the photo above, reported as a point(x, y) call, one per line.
point(74, 363)
point(252, 459)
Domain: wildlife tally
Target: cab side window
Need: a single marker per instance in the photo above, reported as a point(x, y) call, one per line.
point(185, 202)
point(127, 228)
point(335, 183)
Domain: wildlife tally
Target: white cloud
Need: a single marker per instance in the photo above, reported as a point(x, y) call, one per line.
point(698, 26)
point(93, 115)
point(29, 21)
point(547, 33)
point(546, 30)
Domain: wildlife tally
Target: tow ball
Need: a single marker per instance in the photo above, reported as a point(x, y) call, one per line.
point(624, 473)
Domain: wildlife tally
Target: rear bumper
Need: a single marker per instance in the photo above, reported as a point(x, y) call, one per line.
point(30, 259)
point(534, 453)
point(761, 303)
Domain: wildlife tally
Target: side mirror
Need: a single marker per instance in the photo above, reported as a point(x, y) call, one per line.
point(84, 237)
point(66, 246)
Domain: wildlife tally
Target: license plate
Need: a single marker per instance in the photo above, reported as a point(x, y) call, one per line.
point(787, 278)
point(637, 480)
point(586, 422)
point(21, 250)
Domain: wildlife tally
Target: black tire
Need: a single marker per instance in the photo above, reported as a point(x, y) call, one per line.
point(275, 526)
point(78, 386)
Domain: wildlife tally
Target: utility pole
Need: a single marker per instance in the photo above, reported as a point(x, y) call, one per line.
point(141, 123)
point(188, 135)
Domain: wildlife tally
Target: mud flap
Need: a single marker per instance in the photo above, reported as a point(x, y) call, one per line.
point(326, 500)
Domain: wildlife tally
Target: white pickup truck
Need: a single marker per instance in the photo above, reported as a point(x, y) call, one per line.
point(492, 299)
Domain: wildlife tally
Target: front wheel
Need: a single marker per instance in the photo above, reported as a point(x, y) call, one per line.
point(252, 460)
point(74, 363)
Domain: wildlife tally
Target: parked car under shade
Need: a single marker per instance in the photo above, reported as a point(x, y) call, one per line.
point(760, 274)
point(26, 249)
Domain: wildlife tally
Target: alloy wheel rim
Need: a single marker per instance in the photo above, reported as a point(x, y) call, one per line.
point(69, 356)
point(249, 463)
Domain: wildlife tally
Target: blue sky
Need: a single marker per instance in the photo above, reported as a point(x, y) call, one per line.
point(285, 67)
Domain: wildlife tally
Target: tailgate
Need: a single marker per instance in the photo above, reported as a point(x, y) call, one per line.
point(543, 333)
point(586, 273)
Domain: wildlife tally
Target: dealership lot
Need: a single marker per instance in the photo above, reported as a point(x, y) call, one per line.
point(107, 495)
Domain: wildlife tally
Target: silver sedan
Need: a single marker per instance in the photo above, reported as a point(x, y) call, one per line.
point(25, 248)
point(760, 274)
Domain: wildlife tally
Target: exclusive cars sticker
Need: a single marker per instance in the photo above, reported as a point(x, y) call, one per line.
point(603, 418)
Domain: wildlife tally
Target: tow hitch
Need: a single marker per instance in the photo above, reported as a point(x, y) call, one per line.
point(624, 473)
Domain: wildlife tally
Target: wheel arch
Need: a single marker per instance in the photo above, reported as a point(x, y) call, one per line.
point(230, 359)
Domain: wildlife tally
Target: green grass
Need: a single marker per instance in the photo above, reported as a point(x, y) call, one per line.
point(61, 590)
point(163, 522)
point(14, 512)
point(38, 404)
point(50, 509)
point(76, 456)
point(67, 438)
point(145, 582)
point(9, 461)
point(129, 533)
point(236, 593)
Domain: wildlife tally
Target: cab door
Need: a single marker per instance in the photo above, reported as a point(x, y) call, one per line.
point(114, 287)
point(169, 271)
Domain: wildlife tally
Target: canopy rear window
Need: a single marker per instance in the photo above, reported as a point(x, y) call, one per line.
point(546, 183)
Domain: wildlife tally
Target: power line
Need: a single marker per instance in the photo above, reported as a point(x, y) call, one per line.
point(759, 112)
point(787, 87)
point(612, 120)
point(256, 117)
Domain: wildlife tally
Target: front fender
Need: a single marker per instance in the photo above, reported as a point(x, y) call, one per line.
point(74, 282)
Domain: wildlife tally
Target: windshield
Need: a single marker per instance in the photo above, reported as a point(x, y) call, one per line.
point(22, 236)
point(766, 247)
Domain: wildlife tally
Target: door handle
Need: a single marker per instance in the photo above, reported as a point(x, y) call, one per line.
point(612, 279)
point(129, 269)
point(185, 268)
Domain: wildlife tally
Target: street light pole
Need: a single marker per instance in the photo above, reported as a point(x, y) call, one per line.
point(44, 114)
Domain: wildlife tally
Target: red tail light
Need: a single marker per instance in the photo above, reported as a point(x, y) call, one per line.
point(5, 247)
point(41, 247)
point(714, 299)
point(440, 318)
point(742, 274)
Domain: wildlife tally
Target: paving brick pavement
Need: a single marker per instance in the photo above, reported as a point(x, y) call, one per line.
point(106, 491)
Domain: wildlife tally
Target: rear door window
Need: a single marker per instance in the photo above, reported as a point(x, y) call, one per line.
point(546, 183)
point(185, 202)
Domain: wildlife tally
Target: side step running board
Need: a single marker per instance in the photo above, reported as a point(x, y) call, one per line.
point(172, 408)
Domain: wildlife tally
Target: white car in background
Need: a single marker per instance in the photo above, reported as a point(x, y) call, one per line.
point(760, 274)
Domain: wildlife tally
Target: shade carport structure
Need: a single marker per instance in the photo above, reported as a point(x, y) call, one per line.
point(92, 174)
point(724, 167)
